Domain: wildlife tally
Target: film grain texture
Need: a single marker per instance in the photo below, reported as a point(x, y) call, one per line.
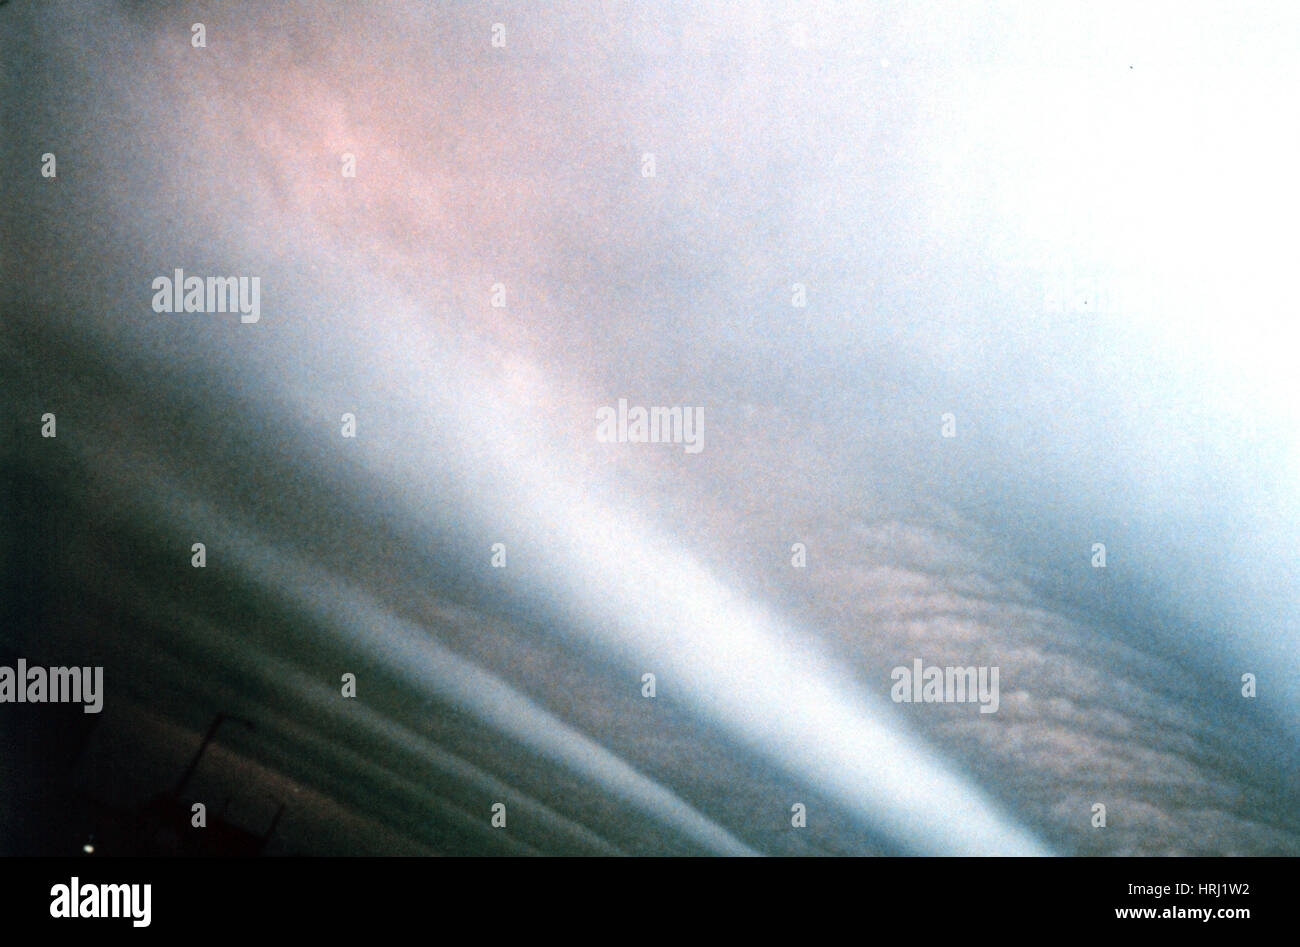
point(616, 428)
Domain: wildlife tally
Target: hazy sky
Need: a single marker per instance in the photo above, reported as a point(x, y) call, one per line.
point(1067, 226)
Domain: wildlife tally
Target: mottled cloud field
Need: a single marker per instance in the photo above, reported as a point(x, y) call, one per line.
point(1067, 230)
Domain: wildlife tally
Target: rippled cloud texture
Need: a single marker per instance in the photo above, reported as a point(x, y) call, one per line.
point(958, 294)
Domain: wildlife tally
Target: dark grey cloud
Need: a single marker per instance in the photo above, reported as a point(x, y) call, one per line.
point(966, 245)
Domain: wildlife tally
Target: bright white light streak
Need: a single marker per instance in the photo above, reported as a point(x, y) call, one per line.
point(352, 615)
point(727, 657)
point(646, 599)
